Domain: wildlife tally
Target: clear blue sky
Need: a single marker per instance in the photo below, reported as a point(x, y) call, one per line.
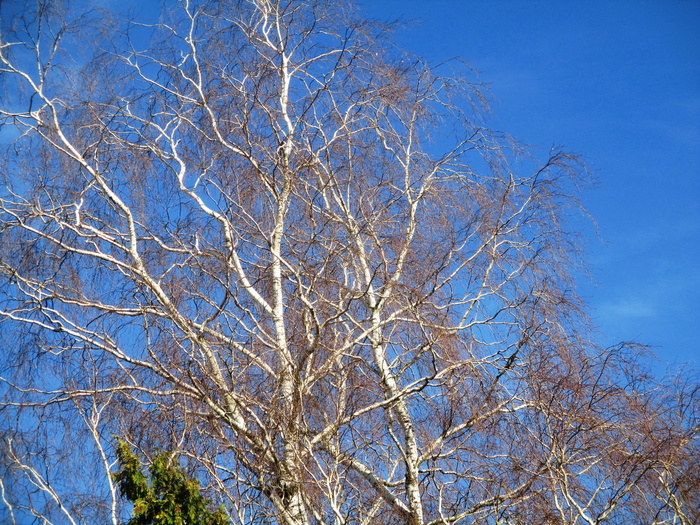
point(619, 82)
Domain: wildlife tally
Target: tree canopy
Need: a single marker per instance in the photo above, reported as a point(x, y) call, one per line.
point(258, 235)
point(171, 497)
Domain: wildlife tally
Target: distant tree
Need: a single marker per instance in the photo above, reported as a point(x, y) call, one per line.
point(171, 497)
point(256, 234)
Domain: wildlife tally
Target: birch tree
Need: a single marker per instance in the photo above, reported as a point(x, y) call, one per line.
point(257, 234)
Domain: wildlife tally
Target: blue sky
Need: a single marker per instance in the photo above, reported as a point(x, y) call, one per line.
point(618, 82)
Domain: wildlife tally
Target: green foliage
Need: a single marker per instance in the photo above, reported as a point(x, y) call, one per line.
point(171, 498)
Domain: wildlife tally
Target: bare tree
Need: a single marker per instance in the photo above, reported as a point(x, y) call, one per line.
point(258, 234)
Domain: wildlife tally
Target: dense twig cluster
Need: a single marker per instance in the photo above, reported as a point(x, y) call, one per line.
point(257, 234)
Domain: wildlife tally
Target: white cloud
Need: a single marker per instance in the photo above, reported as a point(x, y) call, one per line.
point(629, 308)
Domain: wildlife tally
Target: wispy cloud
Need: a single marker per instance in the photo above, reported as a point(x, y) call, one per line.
point(626, 309)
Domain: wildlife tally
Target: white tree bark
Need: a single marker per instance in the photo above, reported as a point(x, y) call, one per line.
point(257, 234)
